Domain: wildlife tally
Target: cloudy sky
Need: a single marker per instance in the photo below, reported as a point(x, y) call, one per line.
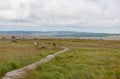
point(65, 15)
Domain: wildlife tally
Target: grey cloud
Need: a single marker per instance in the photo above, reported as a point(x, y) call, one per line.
point(85, 13)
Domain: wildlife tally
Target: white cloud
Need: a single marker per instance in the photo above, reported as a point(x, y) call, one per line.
point(14, 9)
point(82, 13)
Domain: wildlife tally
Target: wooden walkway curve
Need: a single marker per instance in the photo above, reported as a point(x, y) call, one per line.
point(19, 73)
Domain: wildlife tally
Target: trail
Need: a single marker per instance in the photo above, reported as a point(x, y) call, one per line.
point(19, 73)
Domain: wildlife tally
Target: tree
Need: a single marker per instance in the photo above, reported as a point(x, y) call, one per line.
point(54, 45)
point(13, 38)
point(3, 38)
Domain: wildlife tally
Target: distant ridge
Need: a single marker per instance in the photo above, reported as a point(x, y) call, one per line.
point(59, 33)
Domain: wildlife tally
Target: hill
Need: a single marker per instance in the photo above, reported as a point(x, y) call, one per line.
point(59, 33)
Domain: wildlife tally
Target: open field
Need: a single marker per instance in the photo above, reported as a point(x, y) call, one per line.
point(87, 59)
point(18, 54)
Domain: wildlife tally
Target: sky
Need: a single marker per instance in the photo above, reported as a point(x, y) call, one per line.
point(60, 15)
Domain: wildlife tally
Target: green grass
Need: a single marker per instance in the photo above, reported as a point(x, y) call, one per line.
point(87, 59)
point(14, 55)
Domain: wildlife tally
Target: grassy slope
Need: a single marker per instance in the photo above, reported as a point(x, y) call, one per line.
point(14, 55)
point(87, 59)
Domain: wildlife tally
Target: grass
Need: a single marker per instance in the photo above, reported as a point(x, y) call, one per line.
point(14, 55)
point(87, 59)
